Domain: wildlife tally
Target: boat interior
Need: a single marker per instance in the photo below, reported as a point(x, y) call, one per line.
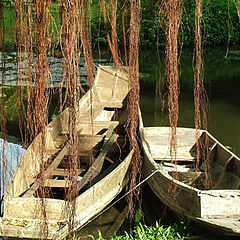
point(98, 147)
point(216, 168)
point(91, 147)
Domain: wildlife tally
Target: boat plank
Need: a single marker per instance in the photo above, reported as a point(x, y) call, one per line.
point(96, 167)
point(56, 183)
point(31, 208)
point(219, 203)
point(65, 172)
point(25, 229)
point(47, 172)
point(158, 142)
point(95, 127)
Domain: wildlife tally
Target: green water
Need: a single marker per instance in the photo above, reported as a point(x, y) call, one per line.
point(222, 82)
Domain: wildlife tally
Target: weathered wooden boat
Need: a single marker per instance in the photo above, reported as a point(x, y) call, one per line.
point(210, 197)
point(101, 137)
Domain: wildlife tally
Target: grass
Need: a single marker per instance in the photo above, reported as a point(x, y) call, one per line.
point(179, 231)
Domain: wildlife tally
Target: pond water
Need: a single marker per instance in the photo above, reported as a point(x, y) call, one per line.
point(222, 82)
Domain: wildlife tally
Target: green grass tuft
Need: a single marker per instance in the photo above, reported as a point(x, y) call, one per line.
point(179, 231)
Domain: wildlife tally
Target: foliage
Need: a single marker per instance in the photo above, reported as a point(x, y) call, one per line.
point(8, 2)
point(142, 232)
point(9, 28)
point(11, 107)
point(215, 22)
point(214, 27)
point(11, 103)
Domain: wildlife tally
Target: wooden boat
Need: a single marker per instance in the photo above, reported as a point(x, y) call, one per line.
point(211, 197)
point(99, 183)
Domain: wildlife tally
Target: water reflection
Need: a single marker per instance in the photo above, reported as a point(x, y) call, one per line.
point(11, 76)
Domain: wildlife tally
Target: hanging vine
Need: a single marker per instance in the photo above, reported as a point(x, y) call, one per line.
point(133, 101)
point(230, 29)
point(200, 95)
point(2, 66)
point(85, 22)
point(237, 4)
point(172, 12)
point(33, 41)
point(23, 39)
point(41, 92)
point(70, 29)
point(113, 39)
point(123, 11)
point(4, 179)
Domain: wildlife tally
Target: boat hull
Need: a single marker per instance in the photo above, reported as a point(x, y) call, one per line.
point(214, 209)
point(88, 205)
